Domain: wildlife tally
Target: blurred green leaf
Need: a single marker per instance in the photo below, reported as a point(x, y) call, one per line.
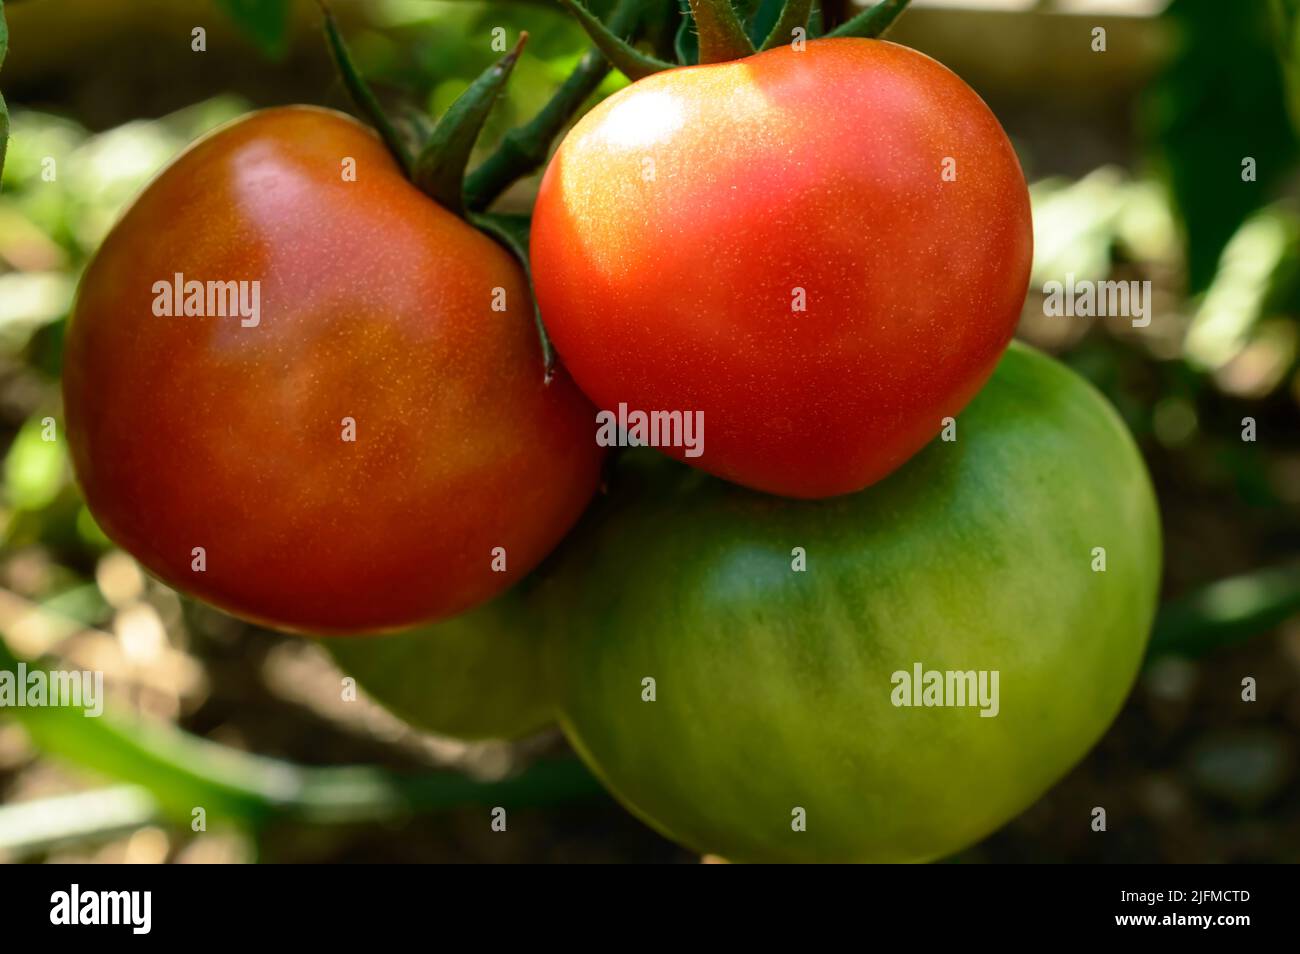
point(265, 22)
point(35, 468)
point(1254, 270)
point(90, 532)
point(42, 824)
point(1226, 612)
point(4, 110)
point(1218, 101)
point(1286, 25)
point(183, 772)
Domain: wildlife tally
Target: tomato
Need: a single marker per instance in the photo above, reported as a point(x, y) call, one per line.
point(685, 221)
point(775, 688)
point(478, 676)
point(369, 443)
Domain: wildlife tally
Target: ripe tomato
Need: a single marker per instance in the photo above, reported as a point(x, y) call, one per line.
point(380, 321)
point(684, 222)
point(775, 688)
point(478, 676)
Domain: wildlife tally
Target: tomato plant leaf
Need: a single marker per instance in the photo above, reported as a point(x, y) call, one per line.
point(721, 36)
point(1226, 612)
point(182, 770)
point(1286, 24)
point(4, 110)
point(360, 92)
point(874, 22)
point(265, 22)
point(512, 232)
point(1217, 103)
point(625, 58)
point(794, 14)
point(440, 167)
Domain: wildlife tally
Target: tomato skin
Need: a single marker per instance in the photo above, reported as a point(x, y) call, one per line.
point(376, 305)
point(478, 676)
point(819, 170)
point(774, 687)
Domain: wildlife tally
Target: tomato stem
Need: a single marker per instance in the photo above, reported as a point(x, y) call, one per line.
point(525, 148)
point(361, 94)
point(874, 22)
point(512, 232)
point(722, 36)
point(440, 168)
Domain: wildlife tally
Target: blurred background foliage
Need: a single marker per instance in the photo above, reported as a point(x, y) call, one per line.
point(1135, 157)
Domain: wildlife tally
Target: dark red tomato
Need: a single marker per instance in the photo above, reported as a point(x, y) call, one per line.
point(825, 252)
point(370, 448)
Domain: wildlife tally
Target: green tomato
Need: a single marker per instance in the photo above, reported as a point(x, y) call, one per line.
point(478, 676)
point(777, 690)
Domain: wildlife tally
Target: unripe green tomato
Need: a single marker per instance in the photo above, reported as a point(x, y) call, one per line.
point(774, 688)
point(478, 676)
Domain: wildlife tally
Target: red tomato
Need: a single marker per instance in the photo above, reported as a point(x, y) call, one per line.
point(379, 319)
point(684, 222)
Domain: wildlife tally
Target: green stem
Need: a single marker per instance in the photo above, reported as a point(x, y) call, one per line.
point(361, 94)
point(794, 14)
point(874, 22)
point(722, 37)
point(524, 149)
point(512, 232)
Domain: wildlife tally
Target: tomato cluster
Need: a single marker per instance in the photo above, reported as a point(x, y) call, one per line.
point(302, 391)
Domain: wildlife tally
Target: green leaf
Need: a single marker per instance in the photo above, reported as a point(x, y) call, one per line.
point(34, 469)
point(4, 132)
point(1218, 100)
point(180, 771)
point(440, 167)
point(4, 110)
point(512, 232)
point(265, 22)
point(1286, 28)
point(625, 58)
point(874, 22)
point(794, 14)
point(1226, 612)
